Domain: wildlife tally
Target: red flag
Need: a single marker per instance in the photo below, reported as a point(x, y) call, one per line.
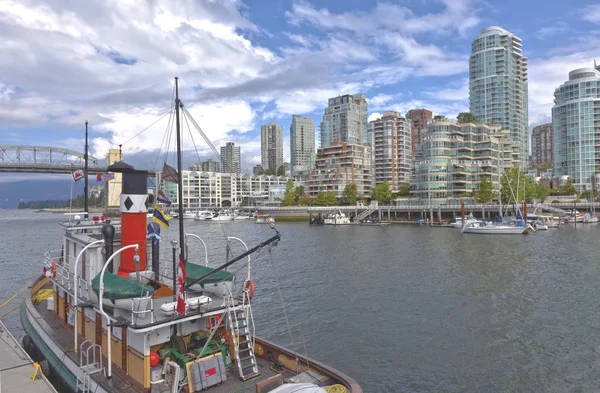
point(180, 286)
point(170, 174)
point(78, 175)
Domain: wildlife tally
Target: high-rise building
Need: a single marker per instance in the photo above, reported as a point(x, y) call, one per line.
point(575, 123)
point(498, 84)
point(113, 186)
point(337, 166)
point(345, 120)
point(391, 152)
point(257, 169)
point(419, 118)
point(230, 158)
point(302, 145)
point(271, 146)
point(541, 146)
point(456, 156)
point(206, 166)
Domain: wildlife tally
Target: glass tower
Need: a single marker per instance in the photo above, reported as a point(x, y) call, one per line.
point(498, 84)
point(576, 125)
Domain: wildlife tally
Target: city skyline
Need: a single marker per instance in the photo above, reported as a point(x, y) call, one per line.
point(419, 63)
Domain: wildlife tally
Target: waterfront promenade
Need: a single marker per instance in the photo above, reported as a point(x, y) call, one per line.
point(16, 367)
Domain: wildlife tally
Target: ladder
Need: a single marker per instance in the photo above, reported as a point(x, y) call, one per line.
point(366, 213)
point(89, 365)
point(242, 339)
point(551, 208)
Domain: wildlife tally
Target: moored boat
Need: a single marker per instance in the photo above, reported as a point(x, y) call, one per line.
point(116, 321)
point(337, 218)
point(265, 219)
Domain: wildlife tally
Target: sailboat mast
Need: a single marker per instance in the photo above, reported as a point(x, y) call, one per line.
point(179, 174)
point(85, 174)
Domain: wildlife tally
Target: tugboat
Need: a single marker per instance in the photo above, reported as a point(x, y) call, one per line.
point(114, 323)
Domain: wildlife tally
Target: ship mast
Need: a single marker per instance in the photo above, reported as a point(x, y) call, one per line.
point(85, 174)
point(179, 176)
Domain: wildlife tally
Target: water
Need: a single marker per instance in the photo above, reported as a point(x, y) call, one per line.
point(402, 308)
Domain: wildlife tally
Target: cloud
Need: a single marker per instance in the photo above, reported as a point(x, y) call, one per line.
point(549, 31)
point(456, 15)
point(548, 73)
point(460, 93)
point(591, 13)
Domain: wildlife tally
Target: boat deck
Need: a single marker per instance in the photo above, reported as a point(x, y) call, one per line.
point(63, 335)
point(16, 367)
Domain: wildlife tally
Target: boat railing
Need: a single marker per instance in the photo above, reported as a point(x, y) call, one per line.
point(139, 308)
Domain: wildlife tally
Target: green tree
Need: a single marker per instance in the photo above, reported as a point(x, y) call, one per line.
point(281, 171)
point(439, 118)
point(289, 197)
point(403, 191)
point(540, 191)
point(350, 194)
point(466, 117)
point(586, 195)
point(298, 192)
point(382, 193)
point(305, 200)
point(269, 172)
point(524, 188)
point(568, 188)
point(485, 191)
point(325, 199)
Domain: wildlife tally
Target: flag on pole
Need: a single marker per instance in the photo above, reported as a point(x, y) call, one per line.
point(153, 233)
point(162, 198)
point(78, 175)
point(160, 217)
point(170, 174)
point(108, 176)
point(180, 287)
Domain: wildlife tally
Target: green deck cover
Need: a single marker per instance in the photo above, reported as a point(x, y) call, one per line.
point(194, 272)
point(117, 287)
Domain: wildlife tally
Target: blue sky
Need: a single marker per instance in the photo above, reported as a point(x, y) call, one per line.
point(243, 64)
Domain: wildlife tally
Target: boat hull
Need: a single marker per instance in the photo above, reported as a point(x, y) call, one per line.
point(496, 230)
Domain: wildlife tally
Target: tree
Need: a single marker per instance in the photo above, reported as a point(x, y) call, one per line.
point(350, 194)
point(541, 192)
point(466, 117)
point(305, 200)
point(288, 196)
point(403, 191)
point(485, 192)
point(439, 118)
point(269, 172)
point(587, 194)
point(325, 199)
point(281, 171)
point(524, 188)
point(568, 188)
point(382, 193)
point(298, 192)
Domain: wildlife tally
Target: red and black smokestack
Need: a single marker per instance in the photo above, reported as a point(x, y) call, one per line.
point(134, 207)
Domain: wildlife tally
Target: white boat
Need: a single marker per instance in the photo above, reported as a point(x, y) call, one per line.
point(203, 215)
point(222, 216)
point(187, 215)
point(590, 218)
point(337, 218)
point(459, 221)
point(545, 222)
point(495, 229)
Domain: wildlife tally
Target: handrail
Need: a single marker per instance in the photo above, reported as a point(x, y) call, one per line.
point(100, 299)
point(245, 245)
point(205, 249)
point(76, 283)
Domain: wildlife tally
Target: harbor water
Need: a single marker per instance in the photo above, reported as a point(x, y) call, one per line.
point(398, 308)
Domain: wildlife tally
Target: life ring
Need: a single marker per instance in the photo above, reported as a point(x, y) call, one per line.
point(249, 288)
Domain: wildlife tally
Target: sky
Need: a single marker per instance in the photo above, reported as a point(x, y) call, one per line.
point(242, 64)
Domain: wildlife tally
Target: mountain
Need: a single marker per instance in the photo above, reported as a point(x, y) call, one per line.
point(12, 192)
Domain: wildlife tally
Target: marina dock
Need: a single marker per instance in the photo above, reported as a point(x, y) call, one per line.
point(16, 368)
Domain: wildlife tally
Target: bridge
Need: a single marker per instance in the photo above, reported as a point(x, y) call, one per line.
point(46, 159)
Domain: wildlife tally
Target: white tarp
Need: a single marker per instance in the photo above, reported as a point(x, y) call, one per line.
point(298, 388)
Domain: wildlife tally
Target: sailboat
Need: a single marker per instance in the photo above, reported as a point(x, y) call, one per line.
point(115, 323)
